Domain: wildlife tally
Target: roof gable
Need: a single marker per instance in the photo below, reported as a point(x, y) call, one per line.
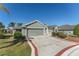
point(35, 24)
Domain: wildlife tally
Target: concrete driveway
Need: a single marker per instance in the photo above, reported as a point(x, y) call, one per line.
point(51, 46)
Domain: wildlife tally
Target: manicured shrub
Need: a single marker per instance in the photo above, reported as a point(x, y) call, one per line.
point(54, 33)
point(61, 35)
point(1, 35)
point(17, 35)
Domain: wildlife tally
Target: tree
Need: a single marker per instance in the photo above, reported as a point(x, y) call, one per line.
point(12, 24)
point(76, 30)
point(3, 8)
point(1, 28)
point(1, 25)
point(19, 24)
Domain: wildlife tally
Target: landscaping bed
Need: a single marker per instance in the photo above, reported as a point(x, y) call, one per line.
point(59, 34)
point(74, 39)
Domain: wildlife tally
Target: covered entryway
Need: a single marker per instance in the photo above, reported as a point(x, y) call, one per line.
point(35, 32)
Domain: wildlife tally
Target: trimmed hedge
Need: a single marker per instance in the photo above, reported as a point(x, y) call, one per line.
point(17, 35)
point(54, 33)
point(59, 34)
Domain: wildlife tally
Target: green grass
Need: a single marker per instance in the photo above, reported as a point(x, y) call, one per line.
point(15, 50)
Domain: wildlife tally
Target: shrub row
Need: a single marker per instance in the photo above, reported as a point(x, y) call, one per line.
point(59, 34)
point(18, 36)
point(1, 35)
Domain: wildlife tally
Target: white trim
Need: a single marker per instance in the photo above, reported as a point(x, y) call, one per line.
point(33, 22)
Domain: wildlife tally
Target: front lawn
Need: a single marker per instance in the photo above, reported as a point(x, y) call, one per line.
point(20, 49)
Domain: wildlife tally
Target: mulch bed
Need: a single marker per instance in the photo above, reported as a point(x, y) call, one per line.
point(74, 39)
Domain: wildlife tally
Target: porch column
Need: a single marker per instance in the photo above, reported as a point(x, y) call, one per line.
point(26, 32)
point(47, 31)
point(44, 31)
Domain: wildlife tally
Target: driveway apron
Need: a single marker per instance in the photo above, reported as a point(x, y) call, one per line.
point(50, 46)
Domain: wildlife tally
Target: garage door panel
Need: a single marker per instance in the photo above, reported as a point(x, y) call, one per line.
point(35, 32)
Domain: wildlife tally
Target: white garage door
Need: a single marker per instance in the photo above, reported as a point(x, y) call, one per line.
point(35, 32)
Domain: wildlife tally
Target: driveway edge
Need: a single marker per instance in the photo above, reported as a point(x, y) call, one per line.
point(33, 47)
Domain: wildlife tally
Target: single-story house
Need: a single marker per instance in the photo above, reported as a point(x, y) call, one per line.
point(66, 29)
point(17, 28)
point(52, 28)
point(34, 28)
point(12, 30)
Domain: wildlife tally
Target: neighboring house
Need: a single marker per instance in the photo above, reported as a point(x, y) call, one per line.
point(9, 30)
point(67, 29)
point(34, 28)
point(17, 28)
point(52, 29)
point(12, 30)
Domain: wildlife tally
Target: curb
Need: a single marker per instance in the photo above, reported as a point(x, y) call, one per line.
point(34, 48)
point(65, 49)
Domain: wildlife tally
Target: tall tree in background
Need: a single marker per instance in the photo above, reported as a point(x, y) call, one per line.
point(12, 24)
point(3, 8)
point(76, 30)
point(1, 25)
point(19, 24)
point(1, 28)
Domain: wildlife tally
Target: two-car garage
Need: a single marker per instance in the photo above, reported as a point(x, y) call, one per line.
point(35, 32)
point(34, 28)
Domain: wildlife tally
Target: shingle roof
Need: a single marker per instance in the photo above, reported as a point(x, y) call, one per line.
point(33, 22)
point(52, 27)
point(62, 27)
point(18, 27)
point(66, 27)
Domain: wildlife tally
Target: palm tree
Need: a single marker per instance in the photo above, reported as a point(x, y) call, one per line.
point(3, 8)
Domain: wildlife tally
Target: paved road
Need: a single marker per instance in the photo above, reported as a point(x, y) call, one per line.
point(50, 46)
